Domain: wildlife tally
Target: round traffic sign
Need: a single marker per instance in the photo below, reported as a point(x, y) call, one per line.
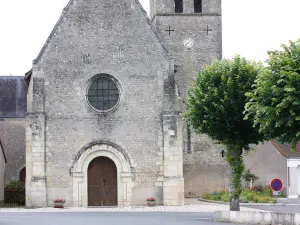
point(276, 185)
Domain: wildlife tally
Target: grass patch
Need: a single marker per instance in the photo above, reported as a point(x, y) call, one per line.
point(258, 194)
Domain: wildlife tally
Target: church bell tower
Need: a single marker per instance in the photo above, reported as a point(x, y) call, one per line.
point(191, 31)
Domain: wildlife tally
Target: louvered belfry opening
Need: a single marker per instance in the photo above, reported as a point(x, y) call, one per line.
point(178, 6)
point(198, 6)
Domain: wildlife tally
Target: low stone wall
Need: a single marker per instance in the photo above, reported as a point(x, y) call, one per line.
point(258, 217)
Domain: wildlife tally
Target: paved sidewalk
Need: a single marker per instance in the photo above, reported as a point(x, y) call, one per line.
point(189, 207)
point(291, 201)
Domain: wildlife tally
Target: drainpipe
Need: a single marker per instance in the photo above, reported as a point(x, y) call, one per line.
point(288, 177)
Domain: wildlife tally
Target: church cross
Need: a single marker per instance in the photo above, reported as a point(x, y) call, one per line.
point(169, 30)
point(207, 30)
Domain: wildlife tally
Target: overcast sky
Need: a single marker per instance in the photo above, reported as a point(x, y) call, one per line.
point(250, 28)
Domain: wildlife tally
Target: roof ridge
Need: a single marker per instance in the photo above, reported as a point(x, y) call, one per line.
point(152, 27)
point(285, 152)
point(65, 10)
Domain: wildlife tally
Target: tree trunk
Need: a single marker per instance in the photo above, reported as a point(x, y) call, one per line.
point(251, 184)
point(235, 205)
point(235, 160)
point(234, 201)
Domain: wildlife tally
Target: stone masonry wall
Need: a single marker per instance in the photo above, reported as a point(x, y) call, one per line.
point(205, 170)
point(12, 135)
point(205, 29)
point(135, 58)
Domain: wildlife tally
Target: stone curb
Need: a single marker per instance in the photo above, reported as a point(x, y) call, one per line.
point(265, 218)
point(242, 204)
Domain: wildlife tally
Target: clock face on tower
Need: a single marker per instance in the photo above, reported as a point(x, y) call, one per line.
point(188, 43)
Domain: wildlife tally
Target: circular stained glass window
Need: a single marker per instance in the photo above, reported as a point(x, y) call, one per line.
point(103, 93)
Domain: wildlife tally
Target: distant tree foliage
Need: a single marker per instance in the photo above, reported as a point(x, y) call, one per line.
point(275, 100)
point(215, 105)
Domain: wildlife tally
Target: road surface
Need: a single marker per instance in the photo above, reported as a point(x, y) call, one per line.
point(104, 218)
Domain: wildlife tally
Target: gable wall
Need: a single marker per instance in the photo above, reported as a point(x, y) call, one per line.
point(267, 163)
point(12, 134)
point(101, 29)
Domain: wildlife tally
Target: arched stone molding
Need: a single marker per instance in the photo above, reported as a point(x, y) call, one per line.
point(80, 173)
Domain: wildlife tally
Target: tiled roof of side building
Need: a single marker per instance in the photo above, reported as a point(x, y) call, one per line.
point(13, 97)
point(285, 149)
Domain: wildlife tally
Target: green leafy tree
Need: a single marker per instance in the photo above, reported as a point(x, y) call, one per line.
point(215, 105)
point(275, 100)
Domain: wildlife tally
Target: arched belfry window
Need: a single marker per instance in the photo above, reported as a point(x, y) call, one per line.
point(198, 6)
point(103, 93)
point(178, 6)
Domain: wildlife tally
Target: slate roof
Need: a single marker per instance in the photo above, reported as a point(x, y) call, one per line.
point(285, 149)
point(13, 97)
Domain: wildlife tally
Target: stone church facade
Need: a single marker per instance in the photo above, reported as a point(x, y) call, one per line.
point(104, 103)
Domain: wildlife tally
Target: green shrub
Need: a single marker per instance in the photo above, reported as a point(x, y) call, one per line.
point(215, 197)
point(282, 195)
point(260, 194)
point(224, 197)
point(243, 199)
point(250, 196)
point(206, 196)
point(265, 199)
point(14, 192)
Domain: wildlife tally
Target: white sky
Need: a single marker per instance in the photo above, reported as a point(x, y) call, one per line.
point(250, 28)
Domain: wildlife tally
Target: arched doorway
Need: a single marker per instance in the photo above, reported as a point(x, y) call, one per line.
point(23, 175)
point(102, 182)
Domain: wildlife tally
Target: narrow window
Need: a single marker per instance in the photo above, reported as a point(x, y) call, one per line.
point(178, 6)
point(23, 175)
point(189, 149)
point(198, 6)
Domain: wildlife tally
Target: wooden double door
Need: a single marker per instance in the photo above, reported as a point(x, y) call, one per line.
point(102, 182)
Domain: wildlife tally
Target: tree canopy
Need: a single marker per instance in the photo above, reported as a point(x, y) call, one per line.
point(274, 101)
point(215, 105)
point(216, 102)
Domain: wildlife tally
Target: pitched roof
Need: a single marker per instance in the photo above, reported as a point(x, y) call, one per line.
point(65, 10)
point(28, 76)
point(2, 150)
point(13, 97)
point(285, 149)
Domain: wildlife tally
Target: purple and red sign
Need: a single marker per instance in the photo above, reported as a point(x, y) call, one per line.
point(276, 185)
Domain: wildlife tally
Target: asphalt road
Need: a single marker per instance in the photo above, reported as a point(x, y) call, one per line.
point(103, 218)
point(279, 209)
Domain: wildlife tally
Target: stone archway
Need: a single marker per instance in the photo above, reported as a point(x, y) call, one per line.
point(123, 167)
